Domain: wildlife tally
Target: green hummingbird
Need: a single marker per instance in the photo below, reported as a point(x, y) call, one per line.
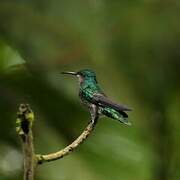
point(94, 98)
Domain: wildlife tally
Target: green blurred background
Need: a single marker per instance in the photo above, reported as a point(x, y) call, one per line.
point(133, 46)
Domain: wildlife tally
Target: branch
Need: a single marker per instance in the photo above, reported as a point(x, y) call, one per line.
point(24, 124)
point(24, 130)
point(67, 150)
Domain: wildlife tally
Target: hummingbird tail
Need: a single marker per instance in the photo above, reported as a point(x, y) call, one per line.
point(124, 120)
point(112, 113)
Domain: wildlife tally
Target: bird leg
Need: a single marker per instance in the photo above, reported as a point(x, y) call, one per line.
point(94, 113)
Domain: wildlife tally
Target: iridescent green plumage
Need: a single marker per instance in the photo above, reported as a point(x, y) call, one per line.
point(93, 97)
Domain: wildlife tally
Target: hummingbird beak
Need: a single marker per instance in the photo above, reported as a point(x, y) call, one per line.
point(68, 72)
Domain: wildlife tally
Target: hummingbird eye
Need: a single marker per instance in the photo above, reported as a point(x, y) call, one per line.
point(80, 74)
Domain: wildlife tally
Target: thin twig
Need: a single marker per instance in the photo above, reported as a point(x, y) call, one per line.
point(67, 150)
point(23, 128)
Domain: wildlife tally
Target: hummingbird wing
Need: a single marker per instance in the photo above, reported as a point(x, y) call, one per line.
point(103, 101)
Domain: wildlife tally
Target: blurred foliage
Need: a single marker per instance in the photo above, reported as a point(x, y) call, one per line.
point(132, 46)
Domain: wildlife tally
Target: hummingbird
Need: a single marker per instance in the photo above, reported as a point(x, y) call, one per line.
point(92, 96)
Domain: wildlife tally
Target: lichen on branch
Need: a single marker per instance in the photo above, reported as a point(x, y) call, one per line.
point(24, 122)
point(25, 118)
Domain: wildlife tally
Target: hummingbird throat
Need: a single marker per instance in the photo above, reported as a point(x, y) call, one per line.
point(80, 79)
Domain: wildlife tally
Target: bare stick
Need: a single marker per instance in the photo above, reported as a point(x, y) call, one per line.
point(23, 128)
point(67, 150)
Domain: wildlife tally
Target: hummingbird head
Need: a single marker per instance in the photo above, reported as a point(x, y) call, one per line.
point(85, 74)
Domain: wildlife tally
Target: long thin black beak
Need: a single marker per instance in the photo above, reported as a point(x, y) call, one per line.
point(68, 72)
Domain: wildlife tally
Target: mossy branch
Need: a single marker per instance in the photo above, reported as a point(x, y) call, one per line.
point(24, 125)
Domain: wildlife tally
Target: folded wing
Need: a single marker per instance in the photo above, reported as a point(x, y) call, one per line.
point(103, 101)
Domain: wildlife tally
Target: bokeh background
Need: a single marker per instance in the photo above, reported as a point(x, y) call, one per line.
point(133, 46)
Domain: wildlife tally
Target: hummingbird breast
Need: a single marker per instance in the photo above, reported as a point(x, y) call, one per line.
point(88, 88)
